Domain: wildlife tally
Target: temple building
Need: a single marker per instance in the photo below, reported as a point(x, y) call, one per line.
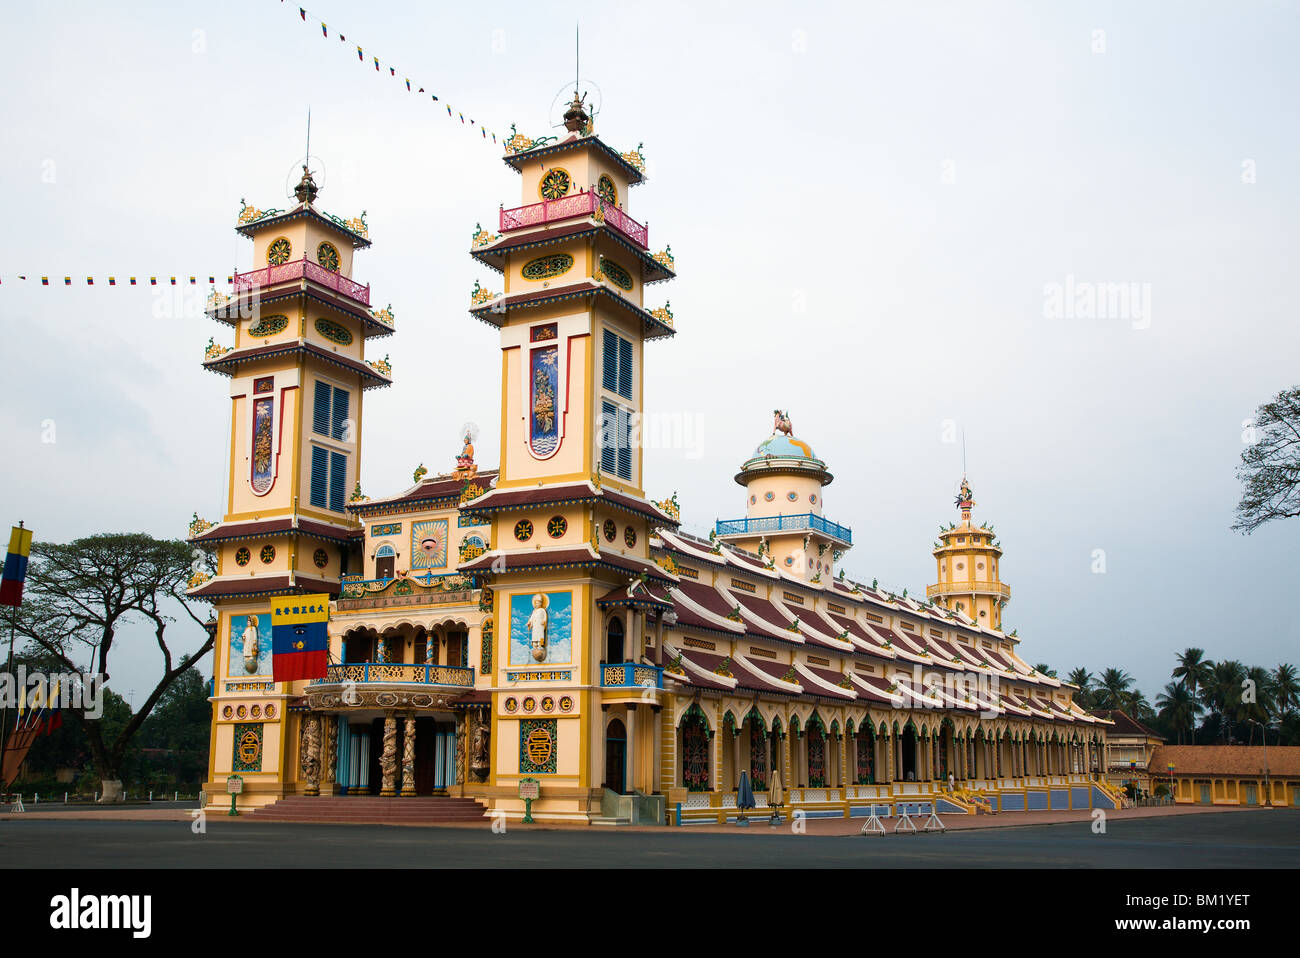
point(544, 626)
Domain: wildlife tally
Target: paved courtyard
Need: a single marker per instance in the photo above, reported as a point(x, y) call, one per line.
point(1263, 838)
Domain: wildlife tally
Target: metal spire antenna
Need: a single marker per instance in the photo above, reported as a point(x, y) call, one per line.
point(577, 57)
point(963, 451)
point(308, 136)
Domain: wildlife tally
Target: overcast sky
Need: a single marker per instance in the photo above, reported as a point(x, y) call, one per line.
point(872, 208)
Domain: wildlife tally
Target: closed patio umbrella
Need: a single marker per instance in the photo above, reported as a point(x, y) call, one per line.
point(775, 795)
point(744, 798)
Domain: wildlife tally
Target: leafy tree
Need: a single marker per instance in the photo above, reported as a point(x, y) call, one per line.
point(1270, 466)
point(178, 728)
point(1223, 695)
point(1178, 707)
point(1084, 679)
point(79, 594)
point(1112, 688)
point(1285, 689)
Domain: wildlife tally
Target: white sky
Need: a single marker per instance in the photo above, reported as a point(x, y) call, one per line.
point(865, 203)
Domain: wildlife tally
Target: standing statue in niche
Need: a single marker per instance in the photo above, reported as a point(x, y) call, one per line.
point(479, 756)
point(537, 627)
point(251, 650)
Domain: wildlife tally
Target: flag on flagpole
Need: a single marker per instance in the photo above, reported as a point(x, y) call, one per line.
point(323, 30)
point(15, 568)
point(299, 642)
point(302, 13)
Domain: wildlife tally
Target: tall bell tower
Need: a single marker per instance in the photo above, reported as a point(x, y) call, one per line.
point(571, 580)
point(297, 372)
point(967, 558)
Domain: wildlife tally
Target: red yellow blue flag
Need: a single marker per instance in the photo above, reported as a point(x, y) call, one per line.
point(15, 569)
point(299, 640)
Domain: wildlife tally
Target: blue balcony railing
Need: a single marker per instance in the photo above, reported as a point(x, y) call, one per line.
point(796, 523)
point(619, 675)
point(401, 673)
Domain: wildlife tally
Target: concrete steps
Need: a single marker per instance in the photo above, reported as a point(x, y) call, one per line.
point(419, 810)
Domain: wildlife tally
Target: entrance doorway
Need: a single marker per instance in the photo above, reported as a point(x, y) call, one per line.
point(909, 754)
point(616, 756)
point(614, 642)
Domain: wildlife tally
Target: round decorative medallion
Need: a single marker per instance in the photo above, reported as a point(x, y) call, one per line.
point(979, 565)
point(792, 496)
point(789, 560)
point(328, 257)
point(753, 499)
point(557, 527)
point(629, 536)
point(242, 711)
point(548, 704)
point(321, 558)
point(523, 530)
point(268, 326)
point(566, 703)
point(606, 189)
point(278, 253)
point(769, 496)
point(270, 711)
point(227, 712)
point(611, 530)
point(547, 267)
point(616, 274)
point(242, 555)
point(960, 566)
point(812, 497)
point(554, 184)
point(267, 555)
point(512, 704)
point(530, 704)
point(257, 711)
point(334, 332)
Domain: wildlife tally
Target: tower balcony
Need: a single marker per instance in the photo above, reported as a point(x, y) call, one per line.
point(300, 270)
point(803, 522)
point(622, 675)
point(572, 206)
point(391, 673)
point(974, 586)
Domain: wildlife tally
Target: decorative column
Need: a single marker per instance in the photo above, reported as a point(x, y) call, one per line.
point(408, 756)
point(843, 774)
point(309, 747)
point(462, 746)
point(633, 766)
point(330, 750)
point(388, 758)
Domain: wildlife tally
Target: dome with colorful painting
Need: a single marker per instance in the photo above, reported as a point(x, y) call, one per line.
point(781, 446)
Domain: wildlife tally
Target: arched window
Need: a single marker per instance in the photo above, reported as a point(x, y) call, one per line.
point(614, 641)
point(385, 562)
point(695, 753)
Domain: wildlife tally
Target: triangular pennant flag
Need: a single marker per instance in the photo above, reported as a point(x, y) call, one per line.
point(302, 13)
point(112, 281)
point(45, 281)
point(392, 71)
point(323, 30)
point(359, 55)
point(67, 281)
point(132, 280)
point(90, 281)
point(408, 86)
point(376, 64)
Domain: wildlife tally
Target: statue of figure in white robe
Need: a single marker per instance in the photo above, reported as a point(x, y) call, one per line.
point(537, 627)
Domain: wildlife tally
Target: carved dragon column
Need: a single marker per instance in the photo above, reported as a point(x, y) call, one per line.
point(309, 748)
point(388, 758)
point(329, 750)
point(408, 756)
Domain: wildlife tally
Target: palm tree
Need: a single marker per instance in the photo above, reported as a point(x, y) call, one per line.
point(1257, 708)
point(1178, 707)
point(1082, 678)
point(1044, 669)
point(1112, 688)
point(1285, 687)
point(1137, 706)
point(1195, 671)
point(1223, 694)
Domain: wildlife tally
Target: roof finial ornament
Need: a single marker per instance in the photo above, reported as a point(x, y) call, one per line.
point(965, 500)
point(306, 189)
point(781, 422)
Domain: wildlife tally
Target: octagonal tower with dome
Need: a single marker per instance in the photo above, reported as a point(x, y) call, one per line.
point(784, 523)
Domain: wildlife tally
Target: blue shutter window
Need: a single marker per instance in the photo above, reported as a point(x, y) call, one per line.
point(338, 481)
point(611, 361)
point(624, 368)
point(320, 413)
point(608, 440)
point(624, 443)
point(340, 413)
point(319, 471)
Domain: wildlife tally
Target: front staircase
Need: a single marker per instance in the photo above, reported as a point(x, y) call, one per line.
point(368, 809)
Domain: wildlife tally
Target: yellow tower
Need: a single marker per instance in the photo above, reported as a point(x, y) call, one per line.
point(297, 373)
point(783, 522)
point(967, 558)
point(572, 583)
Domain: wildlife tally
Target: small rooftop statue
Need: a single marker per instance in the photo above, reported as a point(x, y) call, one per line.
point(306, 189)
point(781, 422)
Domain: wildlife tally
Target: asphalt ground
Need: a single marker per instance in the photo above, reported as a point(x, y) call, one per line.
point(1230, 840)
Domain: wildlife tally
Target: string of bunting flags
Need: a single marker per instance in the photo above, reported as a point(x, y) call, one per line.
point(304, 14)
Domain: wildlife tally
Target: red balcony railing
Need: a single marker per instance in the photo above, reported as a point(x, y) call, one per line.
point(303, 269)
point(567, 207)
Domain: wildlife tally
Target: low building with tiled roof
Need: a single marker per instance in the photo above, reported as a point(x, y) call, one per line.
point(1129, 745)
point(1248, 775)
